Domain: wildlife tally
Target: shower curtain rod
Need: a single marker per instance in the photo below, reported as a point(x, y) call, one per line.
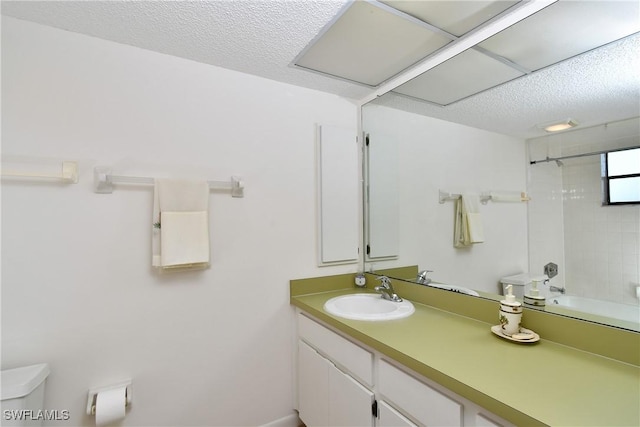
point(594, 153)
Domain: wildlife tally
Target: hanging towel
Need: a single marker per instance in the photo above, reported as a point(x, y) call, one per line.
point(180, 236)
point(468, 227)
point(471, 207)
point(458, 225)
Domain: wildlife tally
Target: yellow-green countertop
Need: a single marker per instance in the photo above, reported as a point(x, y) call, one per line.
point(543, 383)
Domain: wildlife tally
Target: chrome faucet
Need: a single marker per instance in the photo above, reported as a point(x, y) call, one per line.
point(422, 278)
point(386, 290)
point(557, 289)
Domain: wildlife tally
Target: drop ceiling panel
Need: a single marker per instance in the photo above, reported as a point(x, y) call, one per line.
point(565, 29)
point(461, 76)
point(368, 44)
point(455, 17)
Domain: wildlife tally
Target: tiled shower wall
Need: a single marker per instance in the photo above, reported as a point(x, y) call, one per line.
point(545, 213)
point(596, 247)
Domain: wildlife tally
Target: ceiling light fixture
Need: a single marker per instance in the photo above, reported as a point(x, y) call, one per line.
point(558, 126)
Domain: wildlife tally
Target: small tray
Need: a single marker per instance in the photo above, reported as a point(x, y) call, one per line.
point(534, 337)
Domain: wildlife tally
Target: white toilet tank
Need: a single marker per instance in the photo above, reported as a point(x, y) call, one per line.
point(22, 395)
point(518, 283)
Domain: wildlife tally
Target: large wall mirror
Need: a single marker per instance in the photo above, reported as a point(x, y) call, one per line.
point(473, 125)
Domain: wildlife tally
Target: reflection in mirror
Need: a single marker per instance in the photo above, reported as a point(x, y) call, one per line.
point(432, 155)
point(491, 143)
point(596, 247)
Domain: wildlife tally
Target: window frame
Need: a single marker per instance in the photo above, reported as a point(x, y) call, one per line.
point(606, 179)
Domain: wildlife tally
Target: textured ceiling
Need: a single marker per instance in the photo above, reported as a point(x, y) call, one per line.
point(264, 37)
point(600, 86)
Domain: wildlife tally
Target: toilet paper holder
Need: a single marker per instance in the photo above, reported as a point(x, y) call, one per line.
point(93, 395)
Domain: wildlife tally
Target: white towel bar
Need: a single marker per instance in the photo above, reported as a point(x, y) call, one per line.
point(485, 196)
point(442, 197)
point(68, 173)
point(103, 181)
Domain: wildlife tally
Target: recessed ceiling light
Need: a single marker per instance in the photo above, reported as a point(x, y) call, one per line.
point(558, 126)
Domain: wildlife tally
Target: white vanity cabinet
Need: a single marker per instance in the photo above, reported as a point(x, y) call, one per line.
point(340, 383)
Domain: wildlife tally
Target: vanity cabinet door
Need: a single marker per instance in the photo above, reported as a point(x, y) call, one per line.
point(313, 386)
point(327, 396)
point(389, 417)
point(349, 402)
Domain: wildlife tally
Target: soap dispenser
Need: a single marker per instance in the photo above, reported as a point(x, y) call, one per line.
point(510, 314)
point(533, 298)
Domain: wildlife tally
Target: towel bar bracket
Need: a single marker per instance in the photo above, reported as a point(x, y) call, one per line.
point(237, 187)
point(444, 196)
point(101, 182)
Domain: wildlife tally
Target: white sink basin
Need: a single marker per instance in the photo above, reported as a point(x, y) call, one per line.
point(368, 307)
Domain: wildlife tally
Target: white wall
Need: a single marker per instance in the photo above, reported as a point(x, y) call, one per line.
point(433, 155)
point(601, 244)
point(78, 292)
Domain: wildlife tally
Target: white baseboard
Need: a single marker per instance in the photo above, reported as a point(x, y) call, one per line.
point(290, 420)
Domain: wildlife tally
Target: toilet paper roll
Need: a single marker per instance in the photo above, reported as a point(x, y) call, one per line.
point(110, 406)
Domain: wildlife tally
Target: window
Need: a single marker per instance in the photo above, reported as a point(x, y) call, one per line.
point(622, 177)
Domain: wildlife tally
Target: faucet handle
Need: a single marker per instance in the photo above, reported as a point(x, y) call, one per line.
point(422, 277)
point(385, 282)
point(386, 289)
point(384, 279)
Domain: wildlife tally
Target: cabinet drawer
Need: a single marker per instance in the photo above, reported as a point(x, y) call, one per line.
point(389, 417)
point(416, 399)
point(353, 358)
point(482, 421)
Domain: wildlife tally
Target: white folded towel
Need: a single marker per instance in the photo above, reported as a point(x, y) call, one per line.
point(475, 228)
point(180, 224)
point(468, 228)
point(471, 207)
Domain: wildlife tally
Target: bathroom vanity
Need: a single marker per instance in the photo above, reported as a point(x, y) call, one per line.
point(437, 367)
point(344, 383)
